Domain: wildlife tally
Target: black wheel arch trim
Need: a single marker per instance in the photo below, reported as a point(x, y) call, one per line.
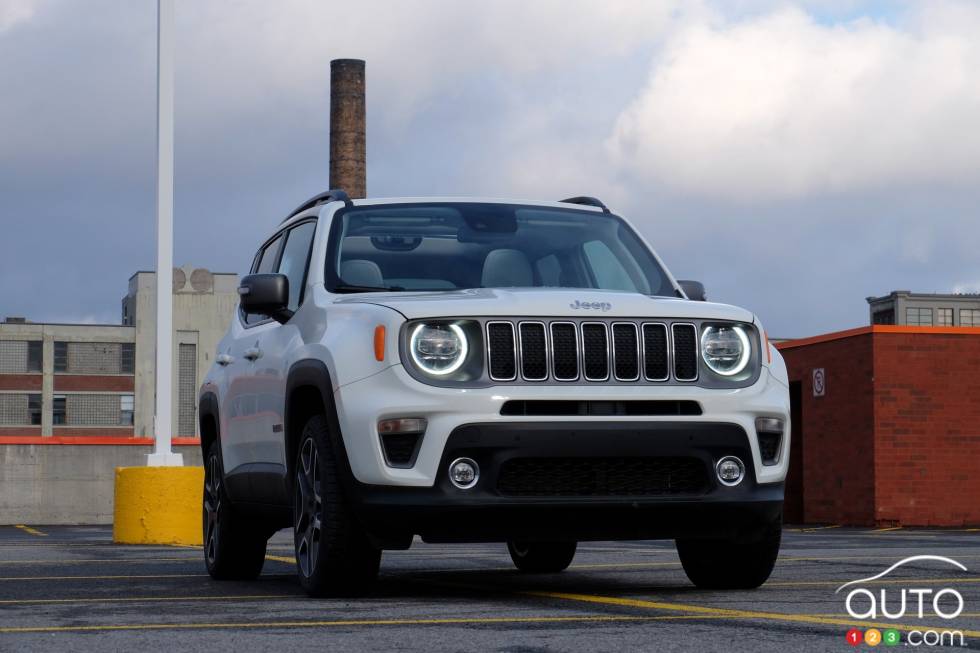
point(208, 409)
point(312, 374)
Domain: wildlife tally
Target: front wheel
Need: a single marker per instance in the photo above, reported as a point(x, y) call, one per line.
point(233, 550)
point(542, 557)
point(731, 564)
point(334, 556)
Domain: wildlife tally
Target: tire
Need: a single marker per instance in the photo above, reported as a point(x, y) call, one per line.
point(728, 564)
point(233, 549)
point(334, 556)
point(542, 557)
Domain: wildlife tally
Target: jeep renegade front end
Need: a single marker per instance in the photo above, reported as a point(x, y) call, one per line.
point(480, 371)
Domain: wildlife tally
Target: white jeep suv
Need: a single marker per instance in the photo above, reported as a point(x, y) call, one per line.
point(486, 371)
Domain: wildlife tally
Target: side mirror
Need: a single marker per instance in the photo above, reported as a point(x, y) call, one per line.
point(266, 294)
point(693, 289)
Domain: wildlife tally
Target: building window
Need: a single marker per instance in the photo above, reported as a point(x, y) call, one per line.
point(187, 389)
point(59, 411)
point(60, 356)
point(13, 356)
point(34, 409)
point(35, 354)
point(126, 410)
point(886, 316)
point(14, 409)
point(918, 316)
point(970, 317)
point(127, 358)
point(944, 317)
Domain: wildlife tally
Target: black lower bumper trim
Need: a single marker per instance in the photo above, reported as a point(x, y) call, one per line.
point(663, 509)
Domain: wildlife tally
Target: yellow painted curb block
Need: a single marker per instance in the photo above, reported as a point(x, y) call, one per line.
point(158, 505)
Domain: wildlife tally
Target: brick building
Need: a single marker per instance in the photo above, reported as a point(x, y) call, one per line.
point(904, 307)
point(84, 380)
point(886, 427)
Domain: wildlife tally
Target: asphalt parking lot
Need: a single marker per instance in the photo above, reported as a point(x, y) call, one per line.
point(70, 588)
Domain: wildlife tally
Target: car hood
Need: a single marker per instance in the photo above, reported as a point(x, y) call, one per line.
point(546, 302)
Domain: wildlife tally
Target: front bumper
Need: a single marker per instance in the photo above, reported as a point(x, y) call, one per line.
point(600, 508)
point(393, 393)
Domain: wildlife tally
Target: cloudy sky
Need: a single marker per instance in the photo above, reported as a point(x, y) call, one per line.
point(794, 157)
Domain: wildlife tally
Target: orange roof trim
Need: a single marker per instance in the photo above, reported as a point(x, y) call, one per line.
point(92, 439)
point(879, 328)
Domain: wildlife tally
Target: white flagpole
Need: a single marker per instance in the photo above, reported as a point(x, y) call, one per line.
point(163, 454)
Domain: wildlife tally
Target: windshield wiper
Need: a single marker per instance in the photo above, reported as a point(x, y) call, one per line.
point(348, 288)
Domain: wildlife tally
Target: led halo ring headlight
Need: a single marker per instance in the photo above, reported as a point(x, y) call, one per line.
point(438, 349)
point(725, 349)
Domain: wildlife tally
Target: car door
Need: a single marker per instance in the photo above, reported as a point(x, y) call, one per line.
point(240, 408)
point(278, 345)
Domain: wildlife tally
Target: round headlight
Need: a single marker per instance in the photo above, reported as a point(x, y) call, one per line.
point(438, 349)
point(725, 349)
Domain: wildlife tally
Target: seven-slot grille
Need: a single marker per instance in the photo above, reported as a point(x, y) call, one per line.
point(533, 350)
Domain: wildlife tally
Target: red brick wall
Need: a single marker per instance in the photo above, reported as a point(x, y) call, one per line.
point(927, 419)
point(24, 382)
point(93, 383)
point(838, 476)
point(20, 430)
point(96, 431)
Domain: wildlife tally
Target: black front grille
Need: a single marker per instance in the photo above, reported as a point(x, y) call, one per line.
point(534, 351)
point(655, 352)
point(593, 408)
point(601, 477)
point(503, 359)
point(595, 351)
point(685, 352)
point(564, 351)
point(626, 352)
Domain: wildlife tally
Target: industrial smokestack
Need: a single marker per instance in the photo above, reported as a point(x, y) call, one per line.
point(347, 139)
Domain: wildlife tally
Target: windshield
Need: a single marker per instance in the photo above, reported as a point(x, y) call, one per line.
point(449, 246)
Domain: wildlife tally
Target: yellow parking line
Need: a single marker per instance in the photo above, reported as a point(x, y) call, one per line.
point(32, 531)
point(734, 614)
point(883, 556)
point(149, 599)
point(328, 623)
point(886, 530)
point(291, 561)
point(886, 581)
point(118, 577)
point(96, 560)
point(811, 529)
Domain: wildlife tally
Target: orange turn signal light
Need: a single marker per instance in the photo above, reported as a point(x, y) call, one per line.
point(379, 342)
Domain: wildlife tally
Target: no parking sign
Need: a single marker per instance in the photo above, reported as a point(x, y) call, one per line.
point(819, 382)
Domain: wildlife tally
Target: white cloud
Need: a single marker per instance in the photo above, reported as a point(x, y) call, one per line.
point(13, 12)
point(780, 106)
point(967, 287)
point(415, 50)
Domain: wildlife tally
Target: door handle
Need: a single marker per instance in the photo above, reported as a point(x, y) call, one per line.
point(253, 353)
point(224, 359)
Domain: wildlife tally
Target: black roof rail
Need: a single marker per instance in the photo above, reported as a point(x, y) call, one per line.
point(587, 201)
point(335, 195)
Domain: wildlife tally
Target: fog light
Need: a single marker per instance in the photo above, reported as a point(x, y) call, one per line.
point(730, 471)
point(464, 473)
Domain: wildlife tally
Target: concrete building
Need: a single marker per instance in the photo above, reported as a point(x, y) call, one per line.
point(77, 400)
point(204, 303)
point(886, 427)
point(77, 380)
point(903, 307)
